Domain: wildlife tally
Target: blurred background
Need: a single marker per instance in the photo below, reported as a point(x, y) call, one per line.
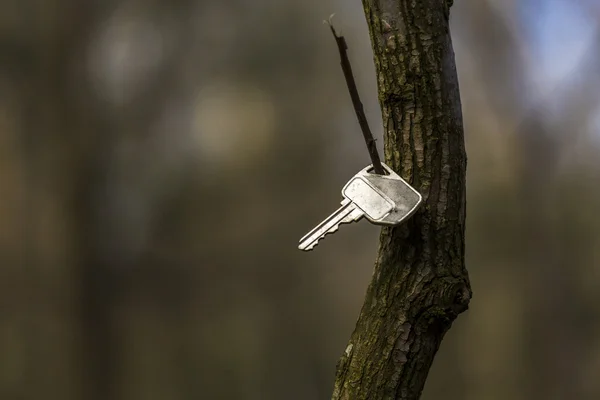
point(159, 161)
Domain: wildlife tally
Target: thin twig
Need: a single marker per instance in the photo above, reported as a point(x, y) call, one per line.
point(358, 107)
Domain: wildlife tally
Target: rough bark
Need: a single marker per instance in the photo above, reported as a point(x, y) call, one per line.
point(420, 283)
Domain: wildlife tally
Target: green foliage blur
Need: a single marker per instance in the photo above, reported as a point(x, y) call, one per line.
point(159, 161)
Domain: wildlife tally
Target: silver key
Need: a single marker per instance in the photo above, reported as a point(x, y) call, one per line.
point(382, 199)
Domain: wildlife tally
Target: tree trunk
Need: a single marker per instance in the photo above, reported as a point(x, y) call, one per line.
point(420, 283)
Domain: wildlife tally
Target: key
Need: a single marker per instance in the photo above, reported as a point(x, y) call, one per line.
point(382, 199)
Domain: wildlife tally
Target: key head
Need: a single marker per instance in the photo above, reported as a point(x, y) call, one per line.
point(384, 199)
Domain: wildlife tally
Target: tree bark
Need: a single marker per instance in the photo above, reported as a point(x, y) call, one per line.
point(420, 283)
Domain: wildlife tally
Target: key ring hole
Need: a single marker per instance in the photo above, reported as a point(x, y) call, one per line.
point(372, 169)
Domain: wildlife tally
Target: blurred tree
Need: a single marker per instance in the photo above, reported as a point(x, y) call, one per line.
point(543, 138)
point(420, 283)
point(159, 158)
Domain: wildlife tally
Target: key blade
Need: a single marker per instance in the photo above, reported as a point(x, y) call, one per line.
point(309, 240)
point(347, 213)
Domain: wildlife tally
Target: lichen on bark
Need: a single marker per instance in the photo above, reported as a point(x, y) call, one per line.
point(420, 283)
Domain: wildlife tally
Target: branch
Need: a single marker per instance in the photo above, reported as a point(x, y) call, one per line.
point(420, 283)
point(358, 107)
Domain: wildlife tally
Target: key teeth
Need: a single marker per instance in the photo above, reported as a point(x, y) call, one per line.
point(316, 242)
point(345, 214)
point(309, 248)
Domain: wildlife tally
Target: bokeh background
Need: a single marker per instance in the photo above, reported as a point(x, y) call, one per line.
point(159, 161)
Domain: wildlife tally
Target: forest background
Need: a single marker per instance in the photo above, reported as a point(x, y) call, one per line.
point(159, 161)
